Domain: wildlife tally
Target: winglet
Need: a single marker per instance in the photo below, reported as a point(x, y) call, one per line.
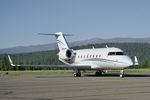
point(136, 63)
point(11, 63)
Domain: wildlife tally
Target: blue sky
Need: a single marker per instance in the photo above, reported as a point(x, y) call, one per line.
point(20, 19)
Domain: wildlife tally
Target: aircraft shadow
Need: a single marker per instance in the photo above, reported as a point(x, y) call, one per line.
point(117, 75)
point(93, 75)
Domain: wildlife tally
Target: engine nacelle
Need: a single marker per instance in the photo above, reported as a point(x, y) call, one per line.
point(66, 54)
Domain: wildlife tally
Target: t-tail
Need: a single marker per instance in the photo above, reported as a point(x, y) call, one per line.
point(65, 53)
point(61, 41)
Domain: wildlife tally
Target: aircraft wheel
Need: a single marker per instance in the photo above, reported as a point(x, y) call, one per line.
point(121, 73)
point(77, 74)
point(98, 73)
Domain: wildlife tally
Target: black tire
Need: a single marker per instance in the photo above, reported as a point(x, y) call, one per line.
point(98, 73)
point(77, 74)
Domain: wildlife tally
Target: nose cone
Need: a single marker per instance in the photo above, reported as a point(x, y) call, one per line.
point(128, 61)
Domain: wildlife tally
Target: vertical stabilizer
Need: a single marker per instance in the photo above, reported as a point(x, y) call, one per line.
point(61, 41)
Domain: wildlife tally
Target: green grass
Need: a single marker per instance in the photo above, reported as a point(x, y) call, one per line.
point(35, 73)
point(50, 72)
point(137, 70)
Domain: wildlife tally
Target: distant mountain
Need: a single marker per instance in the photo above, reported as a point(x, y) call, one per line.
point(52, 46)
point(26, 49)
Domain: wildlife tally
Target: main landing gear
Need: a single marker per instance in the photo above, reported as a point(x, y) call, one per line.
point(77, 73)
point(99, 73)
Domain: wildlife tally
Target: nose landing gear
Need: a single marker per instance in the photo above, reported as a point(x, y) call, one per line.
point(121, 73)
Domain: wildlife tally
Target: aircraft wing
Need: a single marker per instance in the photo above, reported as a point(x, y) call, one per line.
point(52, 66)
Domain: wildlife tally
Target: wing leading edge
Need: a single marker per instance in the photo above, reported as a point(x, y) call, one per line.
point(82, 67)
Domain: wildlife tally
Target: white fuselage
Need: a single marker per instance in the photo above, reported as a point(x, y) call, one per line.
point(96, 58)
point(102, 58)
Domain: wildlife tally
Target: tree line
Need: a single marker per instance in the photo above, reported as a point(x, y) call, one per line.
point(141, 50)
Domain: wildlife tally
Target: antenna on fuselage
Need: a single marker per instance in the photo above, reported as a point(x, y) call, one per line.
point(106, 46)
point(93, 47)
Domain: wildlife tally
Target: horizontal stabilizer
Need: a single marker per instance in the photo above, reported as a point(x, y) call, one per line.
point(55, 34)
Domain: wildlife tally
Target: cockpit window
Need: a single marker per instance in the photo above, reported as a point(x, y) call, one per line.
point(119, 53)
point(111, 53)
point(115, 53)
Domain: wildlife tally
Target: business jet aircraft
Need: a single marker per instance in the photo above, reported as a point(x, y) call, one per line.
point(98, 59)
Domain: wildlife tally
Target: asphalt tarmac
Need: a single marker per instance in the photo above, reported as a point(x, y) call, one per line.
point(67, 87)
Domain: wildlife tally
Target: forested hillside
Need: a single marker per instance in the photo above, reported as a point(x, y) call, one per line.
point(141, 50)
